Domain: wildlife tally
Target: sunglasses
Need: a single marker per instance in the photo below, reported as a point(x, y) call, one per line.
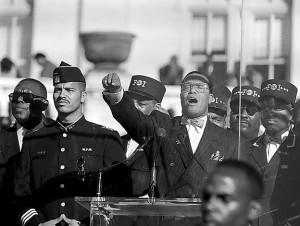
point(251, 110)
point(199, 87)
point(80, 165)
point(27, 97)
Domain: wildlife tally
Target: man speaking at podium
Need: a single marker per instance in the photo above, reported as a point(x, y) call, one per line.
point(185, 148)
point(62, 160)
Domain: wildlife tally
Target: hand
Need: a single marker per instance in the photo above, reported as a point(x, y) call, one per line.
point(70, 222)
point(161, 109)
point(112, 83)
point(52, 222)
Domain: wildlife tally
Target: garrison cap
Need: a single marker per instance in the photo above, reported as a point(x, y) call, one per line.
point(280, 89)
point(67, 73)
point(146, 87)
point(248, 93)
point(220, 96)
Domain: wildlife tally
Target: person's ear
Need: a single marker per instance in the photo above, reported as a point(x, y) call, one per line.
point(210, 98)
point(254, 210)
point(157, 106)
point(83, 96)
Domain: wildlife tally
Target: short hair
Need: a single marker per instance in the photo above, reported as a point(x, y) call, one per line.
point(252, 176)
point(82, 86)
point(39, 55)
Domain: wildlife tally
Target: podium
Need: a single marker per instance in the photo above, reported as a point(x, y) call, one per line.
point(115, 211)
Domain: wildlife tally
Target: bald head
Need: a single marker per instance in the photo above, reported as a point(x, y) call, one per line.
point(245, 174)
point(30, 85)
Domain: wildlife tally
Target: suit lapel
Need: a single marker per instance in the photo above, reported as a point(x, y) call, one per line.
point(11, 145)
point(183, 145)
point(203, 151)
point(259, 153)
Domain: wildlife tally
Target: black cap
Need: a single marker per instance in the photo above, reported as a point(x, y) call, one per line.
point(248, 93)
point(220, 96)
point(280, 89)
point(198, 76)
point(147, 87)
point(66, 73)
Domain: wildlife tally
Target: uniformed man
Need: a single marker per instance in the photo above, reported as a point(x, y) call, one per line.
point(249, 120)
point(147, 94)
point(28, 101)
point(276, 154)
point(217, 108)
point(62, 160)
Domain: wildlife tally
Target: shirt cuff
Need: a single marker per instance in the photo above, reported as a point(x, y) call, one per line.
point(113, 98)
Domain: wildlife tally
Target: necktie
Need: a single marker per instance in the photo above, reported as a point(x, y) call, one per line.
point(196, 122)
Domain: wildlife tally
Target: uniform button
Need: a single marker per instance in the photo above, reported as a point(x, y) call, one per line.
point(63, 204)
point(64, 135)
point(172, 164)
point(62, 149)
point(62, 186)
point(62, 167)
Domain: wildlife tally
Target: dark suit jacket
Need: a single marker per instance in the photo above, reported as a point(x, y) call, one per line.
point(180, 172)
point(140, 170)
point(281, 179)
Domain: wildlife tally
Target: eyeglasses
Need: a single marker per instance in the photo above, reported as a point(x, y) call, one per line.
point(80, 164)
point(27, 97)
point(199, 87)
point(251, 110)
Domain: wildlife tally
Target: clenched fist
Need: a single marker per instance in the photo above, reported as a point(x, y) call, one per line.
point(112, 83)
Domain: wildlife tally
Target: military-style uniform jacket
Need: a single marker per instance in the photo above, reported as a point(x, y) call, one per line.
point(281, 180)
point(9, 152)
point(52, 162)
point(180, 172)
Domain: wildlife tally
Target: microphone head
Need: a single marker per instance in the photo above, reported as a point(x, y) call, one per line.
point(161, 132)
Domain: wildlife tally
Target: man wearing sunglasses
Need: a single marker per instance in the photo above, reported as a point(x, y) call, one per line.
point(247, 117)
point(276, 154)
point(28, 101)
point(217, 108)
point(63, 160)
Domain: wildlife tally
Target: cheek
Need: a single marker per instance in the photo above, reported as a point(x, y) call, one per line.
point(255, 119)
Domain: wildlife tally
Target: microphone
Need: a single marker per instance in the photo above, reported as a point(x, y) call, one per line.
point(160, 133)
point(147, 141)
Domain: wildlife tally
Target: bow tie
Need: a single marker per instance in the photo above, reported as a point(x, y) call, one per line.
point(197, 122)
point(268, 139)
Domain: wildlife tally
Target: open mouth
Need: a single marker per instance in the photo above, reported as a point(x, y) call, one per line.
point(192, 100)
